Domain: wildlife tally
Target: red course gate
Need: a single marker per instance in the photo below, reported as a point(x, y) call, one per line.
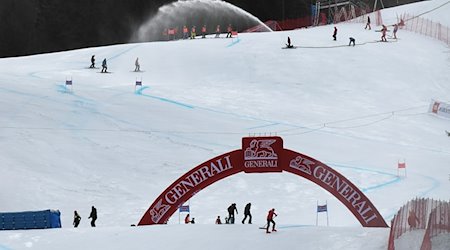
point(262, 155)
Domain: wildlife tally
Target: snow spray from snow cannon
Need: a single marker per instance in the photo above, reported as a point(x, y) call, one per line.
point(197, 13)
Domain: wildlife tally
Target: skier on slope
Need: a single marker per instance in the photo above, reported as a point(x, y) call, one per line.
point(92, 62)
point(138, 66)
point(104, 66)
point(270, 216)
point(395, 31)
point(383, 33)
point(289, 45)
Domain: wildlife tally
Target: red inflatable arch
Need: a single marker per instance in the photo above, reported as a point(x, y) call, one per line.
point(262, 155)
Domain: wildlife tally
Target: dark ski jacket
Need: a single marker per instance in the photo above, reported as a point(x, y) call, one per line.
point(247, 209)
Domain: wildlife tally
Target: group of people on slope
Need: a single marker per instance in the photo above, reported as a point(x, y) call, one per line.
point(247, 214)
point(92, 216)
point(105, 66)
point(193, 32)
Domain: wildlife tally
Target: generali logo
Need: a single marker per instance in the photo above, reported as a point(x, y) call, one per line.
point(261, 153)
point(435, 107)
point(158, 211)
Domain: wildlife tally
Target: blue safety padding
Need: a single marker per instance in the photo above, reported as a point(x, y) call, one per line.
point(30, 220)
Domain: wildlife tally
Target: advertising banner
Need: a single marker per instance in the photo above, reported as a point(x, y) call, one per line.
point(440, 108)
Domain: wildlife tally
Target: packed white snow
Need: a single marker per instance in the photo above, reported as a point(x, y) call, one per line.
point(101, 142)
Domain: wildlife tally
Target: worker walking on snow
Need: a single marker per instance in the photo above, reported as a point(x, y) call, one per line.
point(352, 41)
point(92, 62)
point(231, 210)
point(368, 23)
point(270, 217)
point(138, 66)
point(334, 33)
point(104, 66)
point(247, 213)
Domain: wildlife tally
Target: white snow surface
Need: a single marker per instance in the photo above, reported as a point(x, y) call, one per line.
point(358, 109)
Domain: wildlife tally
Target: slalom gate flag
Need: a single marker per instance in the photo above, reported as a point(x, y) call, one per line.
point(322, 208)
point(402, 165)
point(184, 208)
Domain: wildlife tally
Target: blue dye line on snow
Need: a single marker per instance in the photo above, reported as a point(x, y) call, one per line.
point(294, 226)
point(123, 52)
point(234, 42)
point(394, 180)
point(435, 185)
point(264, 126)
point(139, 92)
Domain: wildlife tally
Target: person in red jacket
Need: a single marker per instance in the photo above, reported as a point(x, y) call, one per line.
point(187, 220)
point(270, 216)
point(229, 29)
point(204, 31)
point(185, 32)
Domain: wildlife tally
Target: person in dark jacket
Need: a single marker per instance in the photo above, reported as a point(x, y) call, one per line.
point(104, 66)
point(93, 216)
point(247, 213)
point(231, 210)
point(92, 62)
point(352, 41)
point(368, 23)
point(76, 218)
point(334, 33)
point(289, 45)
point(383, 33)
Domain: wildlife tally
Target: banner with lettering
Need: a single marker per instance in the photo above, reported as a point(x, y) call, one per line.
point(440, 108)
point(262, 155)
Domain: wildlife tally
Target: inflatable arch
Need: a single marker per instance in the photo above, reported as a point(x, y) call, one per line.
point(262, 155)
